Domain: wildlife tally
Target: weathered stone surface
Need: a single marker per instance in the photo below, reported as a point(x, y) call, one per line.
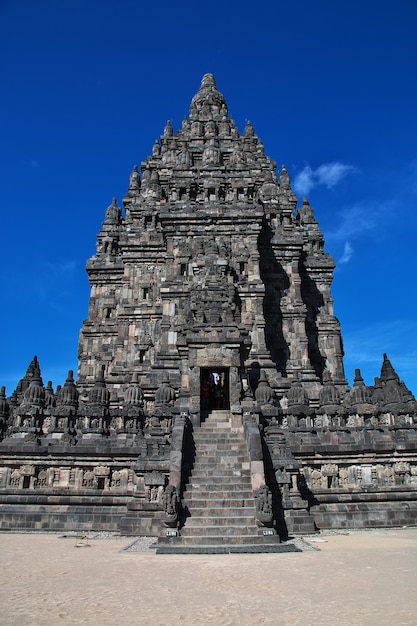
point(209, 291)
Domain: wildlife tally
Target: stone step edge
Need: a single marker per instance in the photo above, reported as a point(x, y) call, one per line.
point(221, 513)
point(217, 503)
point(217, 486)
point(239, 492)
point(216, 539)
point(246, 519)
point(221, 471)
point(247, 528)
point(209, 540)
point(230, 549)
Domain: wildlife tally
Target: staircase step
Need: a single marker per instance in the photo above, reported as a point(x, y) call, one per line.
point(227, 549)
point(198, 503)
point(242, 489)
point(220, 544)
point(220, 539)
point(221, 462)
point(210, 498)
point(215, 456)
point(214, 437)
point(214, 490)
point(227, 522)
point(205, 471)
point(217, 439)
point(218, 483)
point(232, 448)
point(209, 511)
point(217, 459)
point(211, 450)
point(210, 531)
point(222, 466)
point(219, 475)
point(227, 485)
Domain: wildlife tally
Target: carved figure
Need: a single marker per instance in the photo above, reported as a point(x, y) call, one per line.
point(171, 506)
point(264, 506)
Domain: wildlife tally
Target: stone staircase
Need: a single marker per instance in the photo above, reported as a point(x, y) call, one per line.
point(218, 501)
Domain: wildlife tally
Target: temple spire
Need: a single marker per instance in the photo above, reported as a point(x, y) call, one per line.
point(208, 103)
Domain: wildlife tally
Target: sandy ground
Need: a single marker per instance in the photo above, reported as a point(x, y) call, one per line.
point(367, 577)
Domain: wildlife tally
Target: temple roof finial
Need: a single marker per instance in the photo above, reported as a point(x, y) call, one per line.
point(387, 370)
point(208, 103)
point(208, 80)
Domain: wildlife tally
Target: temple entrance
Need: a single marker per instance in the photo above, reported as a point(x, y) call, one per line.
point(214, 389)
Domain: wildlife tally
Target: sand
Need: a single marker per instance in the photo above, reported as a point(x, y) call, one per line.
point(362, 577)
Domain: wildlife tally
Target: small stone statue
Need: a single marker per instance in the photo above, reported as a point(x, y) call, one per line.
point(264, 506)
point(134, 179)
point(171, 506)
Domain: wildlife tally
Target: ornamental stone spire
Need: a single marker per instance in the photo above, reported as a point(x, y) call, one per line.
point(211, 240)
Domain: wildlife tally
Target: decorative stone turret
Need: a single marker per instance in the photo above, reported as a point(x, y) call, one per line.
point(99, 394)
point(24, 382)
point(50, 399)
point(329, 398)
point(165, 394)
point(134, 393)
point(134, 184)
point(377, 393)
point(96, 411)
point(34, 395)
point(359, 397)
point(68, 396)
point(4, 405)
point(297, 398)
point(264, 394)
point(132, 411)
point(66, 409)
point(208, 103)
point(4, 411)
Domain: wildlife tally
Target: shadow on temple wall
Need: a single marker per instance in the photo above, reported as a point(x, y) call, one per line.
point(187, 468)
point(313, 299)
point(307, 494)
point(253, 373)
point(277, 509)
point(276, 283)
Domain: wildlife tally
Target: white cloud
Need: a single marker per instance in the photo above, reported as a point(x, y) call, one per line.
point(356, 220)
point(361, 219)
point(304, 181)
point(327, 174)
point(330, 174)
point(347, 253)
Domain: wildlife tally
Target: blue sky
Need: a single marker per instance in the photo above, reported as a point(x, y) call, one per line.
point(330, 87)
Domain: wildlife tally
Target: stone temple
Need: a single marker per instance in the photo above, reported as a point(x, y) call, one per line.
point(211, 402)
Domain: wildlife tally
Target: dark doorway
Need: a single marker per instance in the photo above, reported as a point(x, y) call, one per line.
point(214, 389)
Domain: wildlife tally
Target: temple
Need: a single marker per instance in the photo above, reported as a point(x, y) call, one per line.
point(211, 398)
